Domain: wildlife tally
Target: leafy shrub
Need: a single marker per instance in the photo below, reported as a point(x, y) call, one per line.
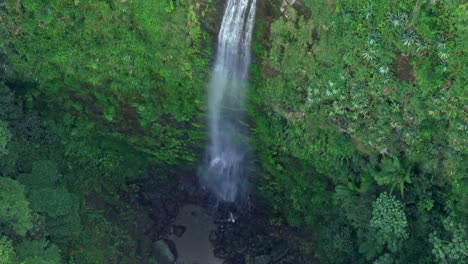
point(5, 137)
point(14, 208)
point(389, 222)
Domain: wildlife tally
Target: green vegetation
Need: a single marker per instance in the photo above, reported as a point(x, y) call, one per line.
point(14, 210)
point(43, 217)
point(38, 251)
point(7, 253)
point(358, 113)
point(5, 137)
point(360, 125)
point(134, 66)
point(91, 94)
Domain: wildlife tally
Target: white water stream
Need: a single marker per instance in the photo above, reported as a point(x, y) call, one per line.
point(224, 171)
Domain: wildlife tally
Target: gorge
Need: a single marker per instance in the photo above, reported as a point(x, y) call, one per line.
point(234, 132)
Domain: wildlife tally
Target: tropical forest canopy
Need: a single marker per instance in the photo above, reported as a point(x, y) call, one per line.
point(358, 122)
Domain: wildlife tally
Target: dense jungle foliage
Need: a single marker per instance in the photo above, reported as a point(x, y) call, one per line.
point(358, 122)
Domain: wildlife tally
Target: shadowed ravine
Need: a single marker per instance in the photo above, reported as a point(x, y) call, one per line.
point(224, 169)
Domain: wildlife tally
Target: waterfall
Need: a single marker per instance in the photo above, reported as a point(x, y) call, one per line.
point(224, 171)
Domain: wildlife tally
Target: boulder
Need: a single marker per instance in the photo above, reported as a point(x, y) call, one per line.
point(163, 252)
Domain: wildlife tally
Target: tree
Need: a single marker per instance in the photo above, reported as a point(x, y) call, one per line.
point(392, 174)
point(7, 254)
point(61, 209)
point(14, 208)
point(388, 224)
point(9, 108)
point(38, 252)
point(5, 137)
point(451, 247)
point(44, 174)
point(336, 241)
point(387, 229)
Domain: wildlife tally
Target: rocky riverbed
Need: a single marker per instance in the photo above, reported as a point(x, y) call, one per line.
point(187, 225)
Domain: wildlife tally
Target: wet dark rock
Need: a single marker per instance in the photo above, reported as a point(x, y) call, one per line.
point(225, 211)
point(260, 245)
point(279, 251)
point(238, 243)
point(235, 258)
point(144, 245)
point(231, 229)
point(259, 225)
point(179, 230)
point(303, 260)
point(146, 223)
point(172, 208)
point(155, 199)
point(163, 252)
point(249, 235)
point(178, 196)
point(291, 259)
point(221, 253)
point(207, 201)
point(189, 186)
point(215, 236)
point(264, 259)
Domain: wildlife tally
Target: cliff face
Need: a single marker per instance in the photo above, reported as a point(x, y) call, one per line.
point(137, 70)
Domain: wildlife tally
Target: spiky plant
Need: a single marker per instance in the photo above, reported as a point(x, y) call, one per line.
point(422, 46)
point(443, 55)
point(373, 37)
point(398, 19)
point(442, 43)
point(408, 37)
point(369, 56)
point(384, 69)
point(444, 67)
point(384, 79)
point(368, 11)
point(442, 52)
point(383, 74)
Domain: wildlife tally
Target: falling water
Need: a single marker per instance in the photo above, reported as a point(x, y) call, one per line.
point(224, 171)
